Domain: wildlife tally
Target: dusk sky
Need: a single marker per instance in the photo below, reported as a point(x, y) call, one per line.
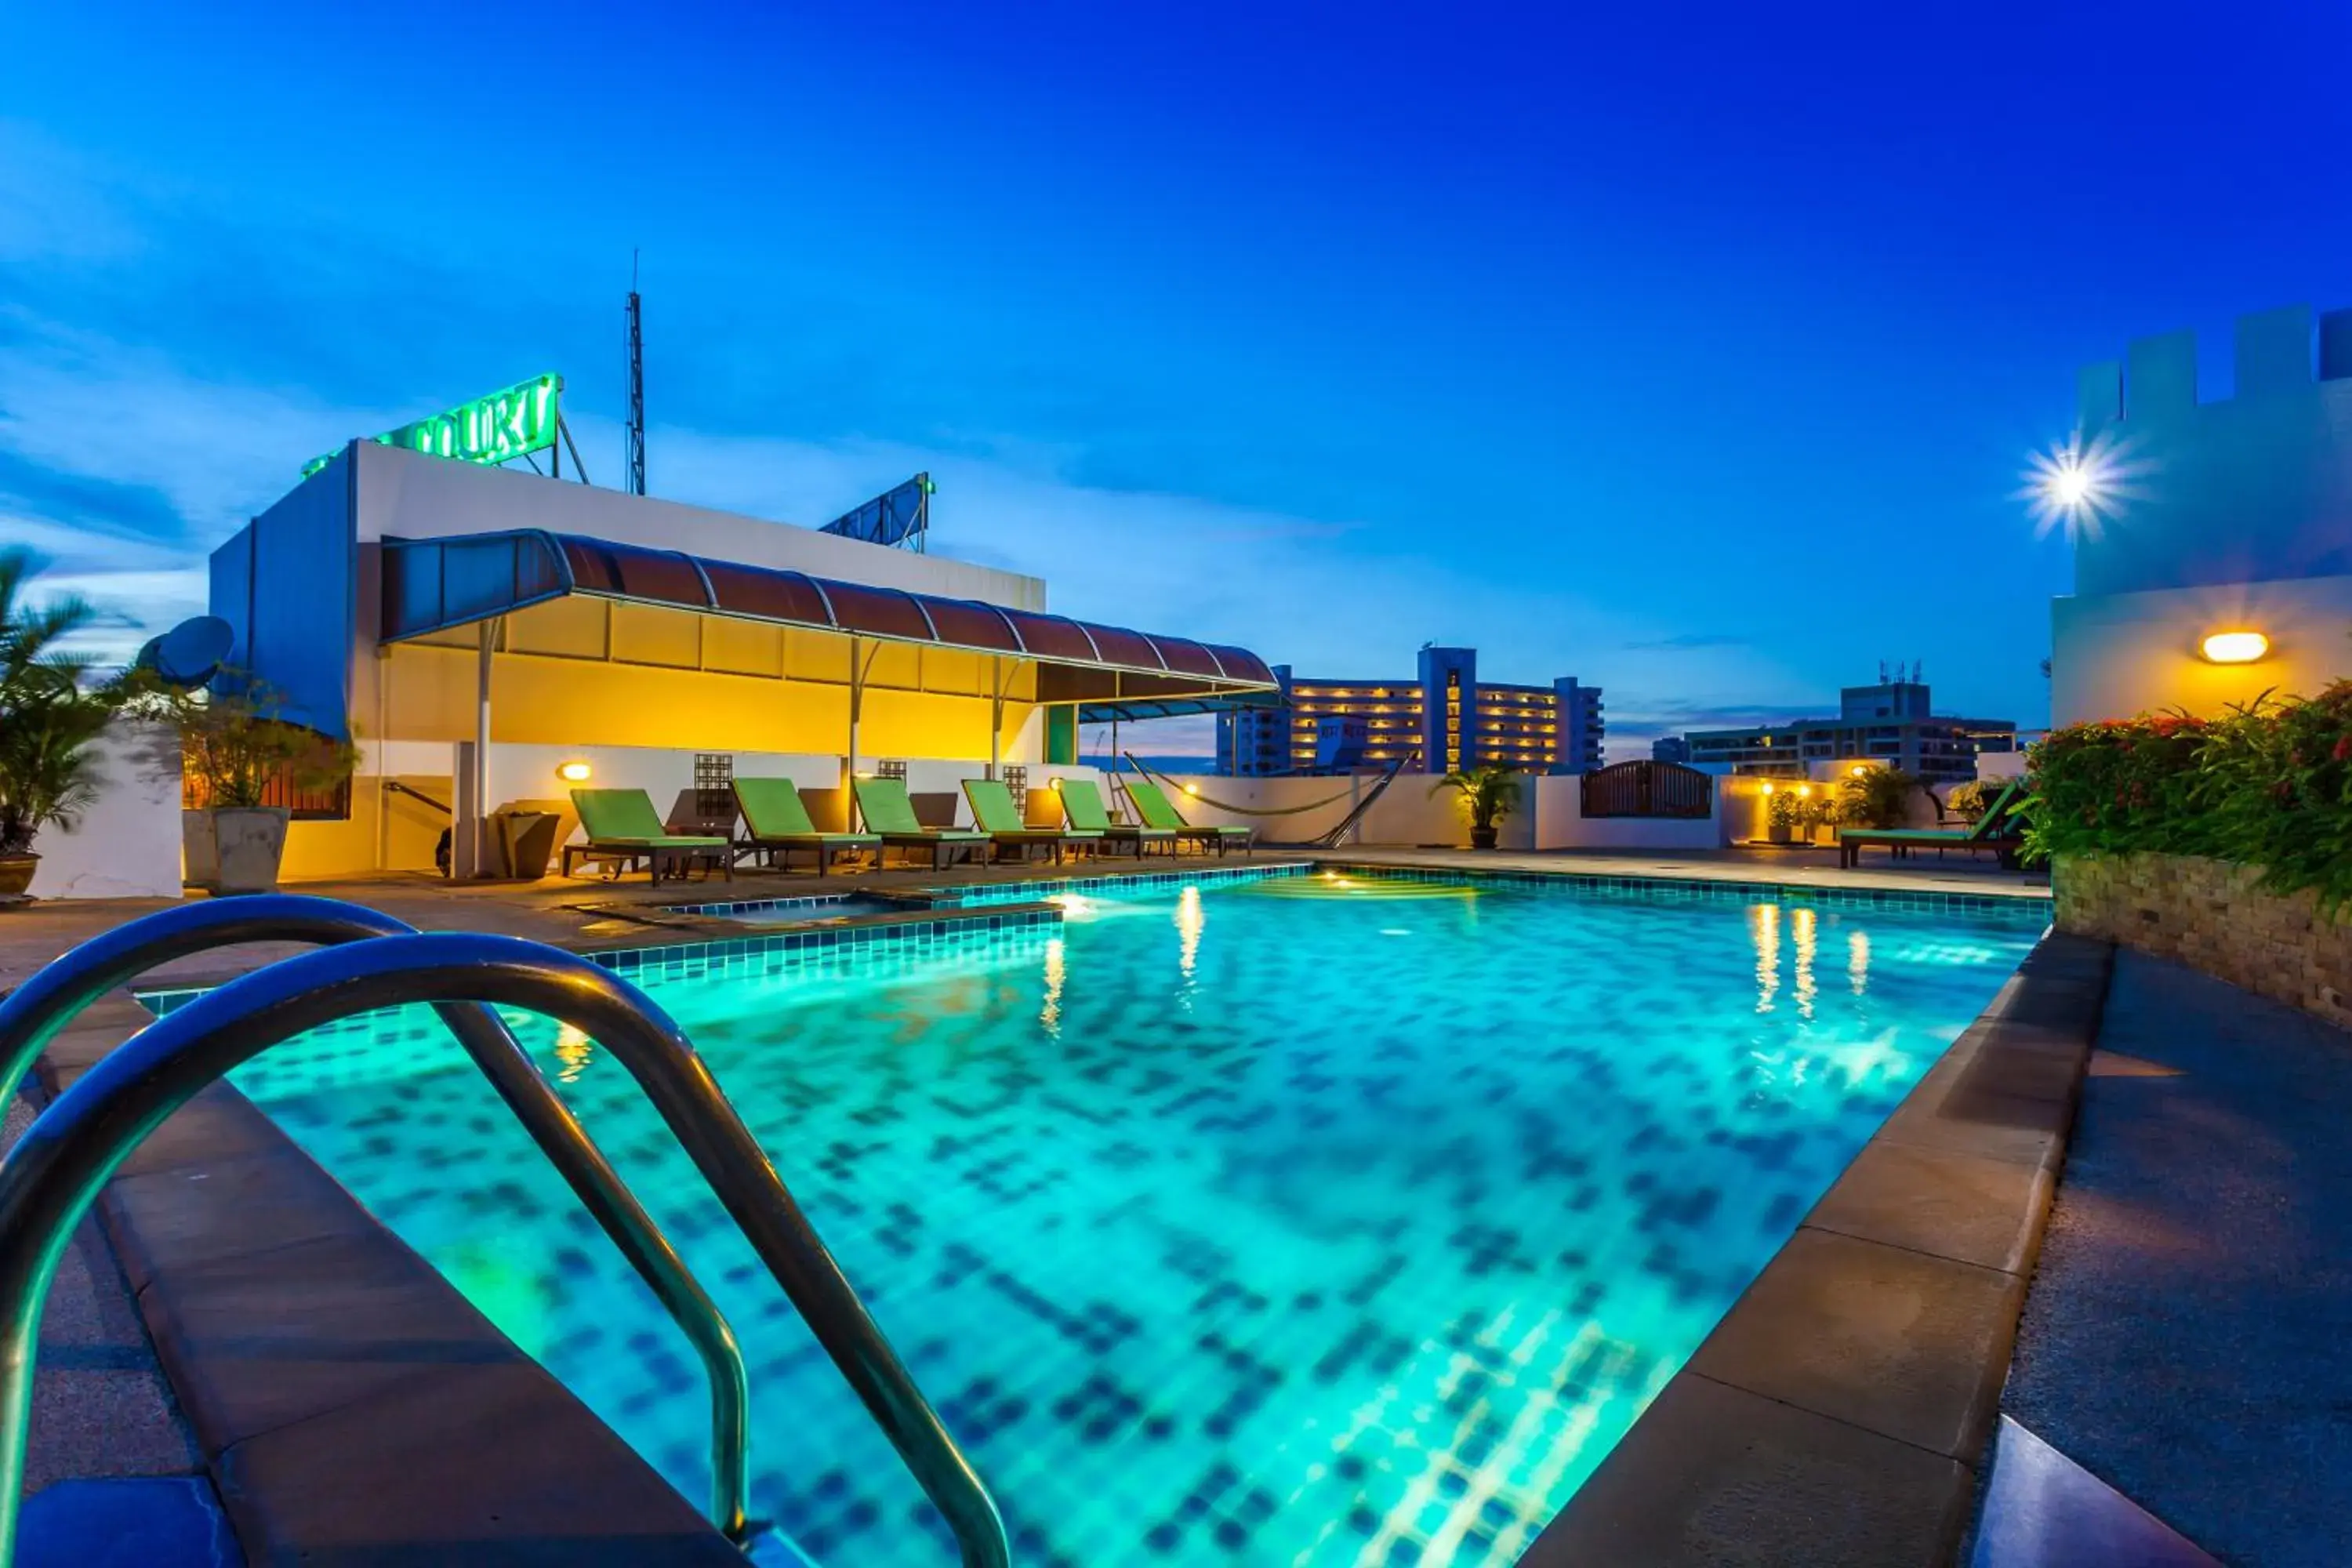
point(1694, 351)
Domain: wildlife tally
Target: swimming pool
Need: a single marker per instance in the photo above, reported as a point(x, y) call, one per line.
point(1299, 1219)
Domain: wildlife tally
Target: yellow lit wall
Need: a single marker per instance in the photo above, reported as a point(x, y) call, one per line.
point(550, 687)
point(584, 672)
point(2116, 656)
point(406, 829)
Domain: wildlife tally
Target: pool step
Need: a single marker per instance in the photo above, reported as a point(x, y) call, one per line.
point(773, 1548)
point(2044, 1510)
point(144, 1522)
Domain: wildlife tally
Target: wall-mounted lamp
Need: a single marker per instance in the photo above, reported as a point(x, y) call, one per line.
point(2236, 647)
point(1192, 789)
point(1053, 784)
point(1768, 787)
point(573, 773)
point(1804, 790)
point(1858, 769)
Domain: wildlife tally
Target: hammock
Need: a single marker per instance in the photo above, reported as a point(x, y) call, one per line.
point(1325, 840)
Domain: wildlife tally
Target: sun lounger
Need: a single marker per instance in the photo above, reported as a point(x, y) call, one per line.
point(890, 817)
point(992, 808)
point(1082, 808)
point(1997, 830)
point(776, 823)
point(1154, 808)
point(623, 828)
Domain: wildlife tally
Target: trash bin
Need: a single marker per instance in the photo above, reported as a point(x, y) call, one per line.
point(525, 842)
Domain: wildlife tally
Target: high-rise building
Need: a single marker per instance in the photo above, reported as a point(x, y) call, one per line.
point(1892, 723)
point(1670, 749)
point(1444, 714)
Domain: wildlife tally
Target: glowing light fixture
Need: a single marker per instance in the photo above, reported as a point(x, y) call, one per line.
point(574, 772)
point(1053, 784)
point(2081, 485)
point(2236, 647)
point(1768, 787)
point(1803, 790)
point(1192, 789)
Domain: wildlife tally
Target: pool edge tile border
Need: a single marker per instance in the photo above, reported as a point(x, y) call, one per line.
point(1754, 1447)
point(501, 1447)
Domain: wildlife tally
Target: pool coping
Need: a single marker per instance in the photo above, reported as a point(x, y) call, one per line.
point(1839, 1412)
point(378, 1410)
point(348, 1404)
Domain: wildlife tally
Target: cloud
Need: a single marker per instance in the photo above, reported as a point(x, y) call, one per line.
point(1690, 640)
point(84, 410)
point(166, 368)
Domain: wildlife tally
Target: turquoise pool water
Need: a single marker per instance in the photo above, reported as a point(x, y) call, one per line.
point(1300, 1221)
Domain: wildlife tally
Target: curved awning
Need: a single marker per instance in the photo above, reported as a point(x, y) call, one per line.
point(434, 585)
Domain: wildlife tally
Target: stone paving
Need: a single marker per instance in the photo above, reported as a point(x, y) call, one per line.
point(2188, 1338)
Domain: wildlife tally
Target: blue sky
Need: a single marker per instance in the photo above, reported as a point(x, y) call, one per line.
point(1693, 351)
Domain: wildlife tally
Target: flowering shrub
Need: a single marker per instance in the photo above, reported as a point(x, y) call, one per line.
point(2269, 786)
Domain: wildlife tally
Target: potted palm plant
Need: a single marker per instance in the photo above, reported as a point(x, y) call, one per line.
point(1488, 793)
point(49, 721)
point(1782, 816)
point(1877, 797)
point(235, 751)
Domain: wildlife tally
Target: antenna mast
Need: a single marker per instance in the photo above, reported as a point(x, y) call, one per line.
point(637, 436)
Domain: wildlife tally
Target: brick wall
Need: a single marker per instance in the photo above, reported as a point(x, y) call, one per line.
point(2207, 915)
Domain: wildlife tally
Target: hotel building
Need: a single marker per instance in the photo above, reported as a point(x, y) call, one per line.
point(1892, 723)
point(1444, 714)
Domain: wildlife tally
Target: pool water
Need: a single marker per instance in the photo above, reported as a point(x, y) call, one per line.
point(1305, 1220)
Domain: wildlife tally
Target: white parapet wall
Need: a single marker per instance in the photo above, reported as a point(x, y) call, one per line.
point(127, 844)
point(1407, 815)
point(1296, 810)
point(1560, 822)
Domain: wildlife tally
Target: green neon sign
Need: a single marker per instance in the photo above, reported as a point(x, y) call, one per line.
point(493, 429)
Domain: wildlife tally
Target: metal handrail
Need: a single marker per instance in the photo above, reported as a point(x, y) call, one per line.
point(56, 1169)
point(32, 1015)
point(393, 786)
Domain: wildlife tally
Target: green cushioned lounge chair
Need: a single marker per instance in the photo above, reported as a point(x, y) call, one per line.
point(776, 822)
point(623, 828)
point(1154, 808)
point(992, 808)
point(890, 817)
point(1999, 830)
point(1082, 808)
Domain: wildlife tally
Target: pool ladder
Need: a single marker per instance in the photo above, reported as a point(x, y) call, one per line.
point(54, 1173)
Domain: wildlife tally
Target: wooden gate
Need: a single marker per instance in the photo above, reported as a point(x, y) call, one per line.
point(1648, 789)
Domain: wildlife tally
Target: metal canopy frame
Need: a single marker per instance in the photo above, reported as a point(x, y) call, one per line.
point(439, 585)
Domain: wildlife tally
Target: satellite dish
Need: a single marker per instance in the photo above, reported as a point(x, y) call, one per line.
point(190, 653)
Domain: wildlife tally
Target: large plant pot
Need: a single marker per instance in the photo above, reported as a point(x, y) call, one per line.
point(1482, 837)
point(1778, 832)
point(234, 848)
point(17, 874)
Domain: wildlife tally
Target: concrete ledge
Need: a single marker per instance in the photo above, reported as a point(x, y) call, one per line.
point(1837, 1414)
point(352, 1408)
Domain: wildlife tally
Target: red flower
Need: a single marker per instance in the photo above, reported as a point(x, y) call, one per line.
point(2343, 748)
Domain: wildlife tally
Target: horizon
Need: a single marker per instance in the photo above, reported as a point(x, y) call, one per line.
point(1578, 344)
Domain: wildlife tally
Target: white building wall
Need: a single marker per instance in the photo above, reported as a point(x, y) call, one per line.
point(127, 846)
point(2239, 519)
point(2116, 656)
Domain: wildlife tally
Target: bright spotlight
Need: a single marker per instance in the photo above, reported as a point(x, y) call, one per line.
point(2080, 485)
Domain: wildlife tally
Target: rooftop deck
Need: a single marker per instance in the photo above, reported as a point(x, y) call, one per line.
point(103, 1407)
